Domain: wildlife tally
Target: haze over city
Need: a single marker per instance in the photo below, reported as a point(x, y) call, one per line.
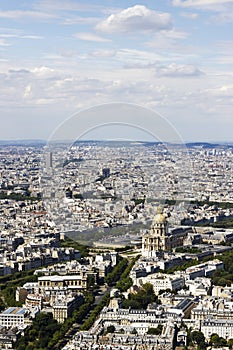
point(58, 58)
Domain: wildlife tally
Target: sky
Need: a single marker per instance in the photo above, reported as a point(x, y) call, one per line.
point(59, 58)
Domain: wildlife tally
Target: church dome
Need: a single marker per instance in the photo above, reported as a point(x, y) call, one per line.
point(159, 218)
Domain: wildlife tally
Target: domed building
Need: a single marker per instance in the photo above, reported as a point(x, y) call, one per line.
point(159, 239)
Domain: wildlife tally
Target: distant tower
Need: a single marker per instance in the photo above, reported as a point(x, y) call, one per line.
point(49, 160)
point(106, 172)
point(156, 239)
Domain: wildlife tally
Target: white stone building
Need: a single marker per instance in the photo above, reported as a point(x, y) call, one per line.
point(161, 282)
point(224, 328)
point(159, 238)
point(14, 317)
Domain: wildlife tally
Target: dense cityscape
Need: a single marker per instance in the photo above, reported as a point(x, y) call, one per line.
point(116, 175)
point(116, 245)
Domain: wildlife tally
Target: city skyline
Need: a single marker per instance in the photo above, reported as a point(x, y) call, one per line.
point(61, 58)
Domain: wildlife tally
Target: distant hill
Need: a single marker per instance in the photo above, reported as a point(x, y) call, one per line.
point(202, 144)
point(209, 145)
point(115, 143)
point(22, 142)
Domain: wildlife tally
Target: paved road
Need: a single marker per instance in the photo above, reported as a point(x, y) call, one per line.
point(103, 290)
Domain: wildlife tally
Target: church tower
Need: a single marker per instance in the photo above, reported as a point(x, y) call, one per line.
point(156, 239)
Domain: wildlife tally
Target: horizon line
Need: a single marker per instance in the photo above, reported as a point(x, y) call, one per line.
point(28, 140)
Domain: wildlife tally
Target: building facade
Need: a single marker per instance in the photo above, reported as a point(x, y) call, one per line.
point(224, 328)
point(14, 317)
point(159, 239)
point(70, 282)
point(65, 306)
point(161, 282)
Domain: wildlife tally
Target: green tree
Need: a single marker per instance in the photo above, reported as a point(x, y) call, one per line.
point(111, 329)
point(91, 319)
point(230, 343)
point(217, 341)
point(202, 346)
point(197, 337)
point(155, 331)
point(90, 281)
point(124, 284)
point(141, 299)
point(38, 335)
point(118, 270)
point(68, 242)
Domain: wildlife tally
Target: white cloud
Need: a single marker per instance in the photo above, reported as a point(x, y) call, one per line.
point(103, 53)
point(174, 34)
point(43, 71)
point(222, 91)
point(45, 101)
point(138, 58)
point(173, 50)
point(190, 15)
point(3, 42)
point(29, 14)
point(19, 71)
point(175, 70)
point(224, 60)
point(67, 53)
point(61, 5)
point(28, 91)
point(214, 5)
point(32, 37)
point(81, 20)
point(223, 54)
point(21, 36)
point(50, 88)
point(90, 37)
point(136, 18)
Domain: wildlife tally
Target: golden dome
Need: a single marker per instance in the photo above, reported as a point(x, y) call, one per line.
point(159, 218)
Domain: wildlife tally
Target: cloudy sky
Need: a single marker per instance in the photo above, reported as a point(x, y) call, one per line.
point(172, 56)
